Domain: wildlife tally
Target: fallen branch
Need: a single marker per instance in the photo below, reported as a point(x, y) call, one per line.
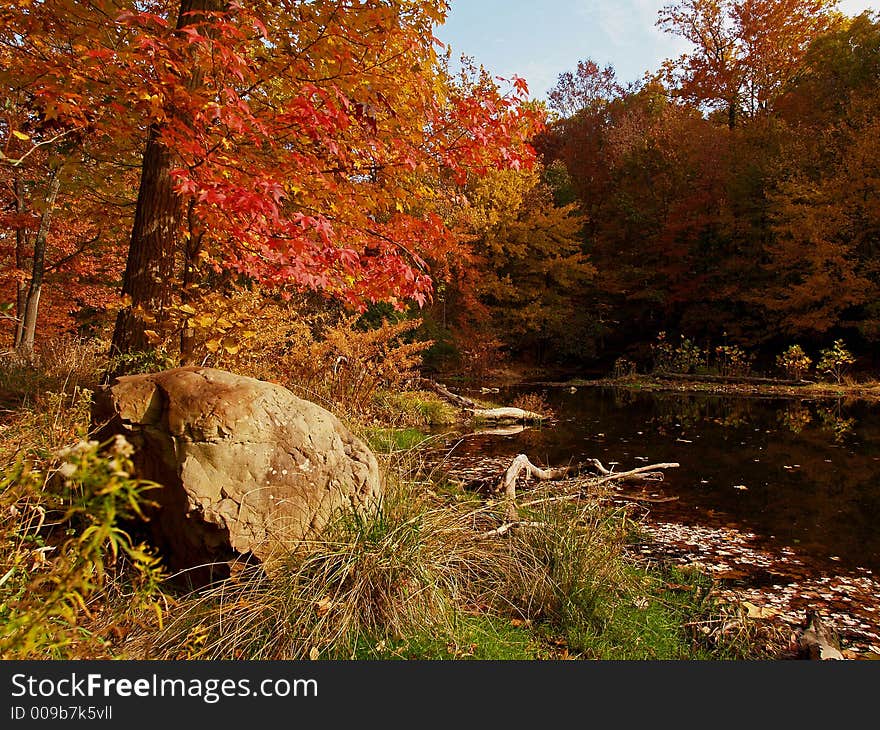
point(731, 379)
point(491, 415)
point(522, 464)
point(508, 483)
point(506, 415)
point(651, 472)
point(443, 392)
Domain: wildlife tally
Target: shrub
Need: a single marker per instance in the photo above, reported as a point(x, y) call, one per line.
point(624, 368)
point(322, 354)
point(663, 354)
point(63, 546)
point(688, 356)
point(794, 362)
point(835, 361)
point(733, 360)
point(685, 358)
point(534, 403)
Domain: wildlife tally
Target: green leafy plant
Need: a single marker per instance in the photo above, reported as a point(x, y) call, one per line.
point(624, 368)
point(663, 354)
point(688, 356)
point(732, 360)
point(835, 361)
point(64, 546)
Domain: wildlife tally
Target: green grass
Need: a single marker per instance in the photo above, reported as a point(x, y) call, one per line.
point(659, 623)
point(474, 637)
point(387, 440)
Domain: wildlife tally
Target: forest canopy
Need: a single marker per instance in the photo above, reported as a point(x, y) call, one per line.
point(164, 162)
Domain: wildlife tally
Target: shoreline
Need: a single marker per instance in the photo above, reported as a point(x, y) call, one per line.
point(869, 392)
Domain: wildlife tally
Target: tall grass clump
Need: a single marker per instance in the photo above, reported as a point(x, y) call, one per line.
point(369, 580)
point(565, 571)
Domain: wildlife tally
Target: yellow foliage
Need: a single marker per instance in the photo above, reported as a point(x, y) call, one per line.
point(325, 356)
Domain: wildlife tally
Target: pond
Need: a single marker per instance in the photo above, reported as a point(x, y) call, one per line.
point(799, 479)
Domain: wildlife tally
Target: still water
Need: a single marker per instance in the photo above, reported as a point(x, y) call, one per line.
point(799, 474)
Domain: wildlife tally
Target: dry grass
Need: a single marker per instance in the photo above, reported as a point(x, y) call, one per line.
point(399, 572)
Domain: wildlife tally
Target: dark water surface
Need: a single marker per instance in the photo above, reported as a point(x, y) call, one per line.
point(800, 474)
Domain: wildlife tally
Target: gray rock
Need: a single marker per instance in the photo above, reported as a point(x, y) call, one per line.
point(246, 466)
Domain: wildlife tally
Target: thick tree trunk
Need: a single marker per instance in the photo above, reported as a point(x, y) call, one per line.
point(190, 255)
point(150, 270)
point(28, 322)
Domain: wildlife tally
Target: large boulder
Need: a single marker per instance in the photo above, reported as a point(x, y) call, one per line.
point(246, 466)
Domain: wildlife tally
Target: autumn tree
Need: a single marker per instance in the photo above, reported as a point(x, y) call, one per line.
point(297, 155)
point(822, 265)
point(282, 144)
point(61, 202)
point(522, 280)
point(744, 51)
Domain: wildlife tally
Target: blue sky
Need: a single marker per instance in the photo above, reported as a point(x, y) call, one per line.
point(539, 39)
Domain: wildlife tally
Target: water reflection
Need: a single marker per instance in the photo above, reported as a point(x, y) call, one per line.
point(811, 470)
point(837, 419)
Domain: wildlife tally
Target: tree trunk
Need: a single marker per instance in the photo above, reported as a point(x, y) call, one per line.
point(28, 322)
point(149, 279)
point(149, 270)
point(21, 246)
point(191, 251)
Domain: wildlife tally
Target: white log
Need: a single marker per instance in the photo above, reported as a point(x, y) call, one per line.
point(519, 464)
point(652, 472)
point(506, 415)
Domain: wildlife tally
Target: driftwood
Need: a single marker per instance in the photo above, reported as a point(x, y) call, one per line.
point(446, 394)
point(506, 415)
point(522, 463)
point(818, 641)
point(652, 473)
point(491, 415)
